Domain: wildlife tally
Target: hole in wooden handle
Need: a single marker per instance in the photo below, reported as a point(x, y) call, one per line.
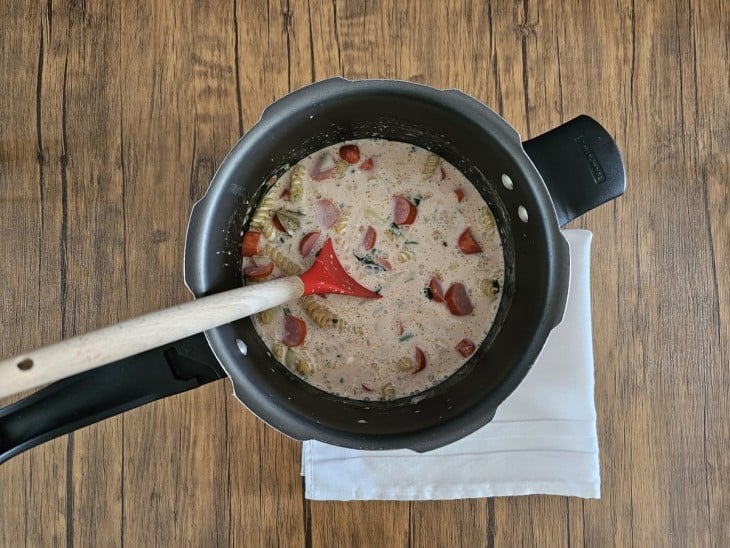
point(25, 364)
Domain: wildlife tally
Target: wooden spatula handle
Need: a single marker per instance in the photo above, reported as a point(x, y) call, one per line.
point(96, 348)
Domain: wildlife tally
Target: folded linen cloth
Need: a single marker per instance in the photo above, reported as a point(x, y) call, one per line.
point(542, 439)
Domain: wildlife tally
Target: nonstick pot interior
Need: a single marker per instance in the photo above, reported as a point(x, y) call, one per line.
point(484, 148)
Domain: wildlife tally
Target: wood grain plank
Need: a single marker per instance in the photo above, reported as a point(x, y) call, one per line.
point(174, 462)
point(33, 508)
point(267, 506)
point(93, 241)
point(708, 74)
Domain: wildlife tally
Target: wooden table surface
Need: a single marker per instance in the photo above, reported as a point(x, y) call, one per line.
point(112, 122)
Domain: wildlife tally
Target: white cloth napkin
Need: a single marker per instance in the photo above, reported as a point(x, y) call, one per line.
point(542, 440)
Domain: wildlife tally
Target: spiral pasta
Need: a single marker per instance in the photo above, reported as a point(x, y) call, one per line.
point(405, 364)
point(262, 215)
point(284, 263)
point(296, 187)
point(320, 314)
point(405, 255)
point(486, 217)
point(430, 165)
point(341, 225)
point(279, 351)
point(340, 168)
point(346, 327)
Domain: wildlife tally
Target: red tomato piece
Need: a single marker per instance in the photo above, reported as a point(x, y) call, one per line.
point(467, 243)
point(367, 165)
point(459, 194)
point(368, 239)
point(420, 360)
point(366, 388)
point(437, 292)
point(442, 174)
point(307, 243)
point(295, 330)
point(250, 243)
point(465, 347)
point(328, 212)
point(258, 272)
point(404, 211)
point(350, 153)
point(457, 300)
point(284, 194)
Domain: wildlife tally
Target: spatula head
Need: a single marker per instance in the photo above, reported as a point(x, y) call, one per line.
point(328, 276)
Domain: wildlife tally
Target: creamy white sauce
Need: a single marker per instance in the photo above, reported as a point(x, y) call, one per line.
point(371, 349)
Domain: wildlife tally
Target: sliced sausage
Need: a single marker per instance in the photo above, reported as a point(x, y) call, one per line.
point(368, 239)
point(457, 300)
point(467, 243)
point(323, 168)
point(328, 212)
point(437, 292)
point(383, 263)
point(367, 165)
point(250, 243)
point(307, 243)
point(350, 153)
point(258, 272)
point(420, 360)
point(295, 330)
point(404, 211)
point(277, 223)
point(465, 347)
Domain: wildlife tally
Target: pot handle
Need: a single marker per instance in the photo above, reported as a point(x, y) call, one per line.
point(98, 394)
point(580, 164)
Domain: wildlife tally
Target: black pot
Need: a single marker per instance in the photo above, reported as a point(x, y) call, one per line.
point(551, 180)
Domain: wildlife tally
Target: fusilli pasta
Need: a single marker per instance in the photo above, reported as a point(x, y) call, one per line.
point(320, 314)
point(341, 225)
point(296, 188)
point(262, 215)
point(284, 263)
point(430, 166)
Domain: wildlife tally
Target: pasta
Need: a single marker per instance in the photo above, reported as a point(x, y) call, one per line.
point(296, 189)
point(279, 351)
point(265, 316)
point(430, 166)
point(346, 327)
point(269, 230)
point(341, 225)
point(320, 314)
point(262, 215)
point(340, 168)
point(284, 263)
point(405, 255)
point(405, 364)
point(486, 218)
